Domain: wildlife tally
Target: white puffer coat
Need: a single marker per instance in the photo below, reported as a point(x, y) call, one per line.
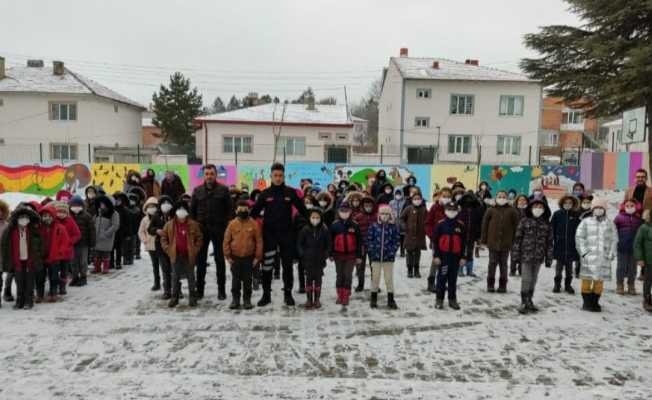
point(596, 240)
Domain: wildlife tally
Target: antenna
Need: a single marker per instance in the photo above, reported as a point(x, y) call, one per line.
point(346, 104)
point(277, 135)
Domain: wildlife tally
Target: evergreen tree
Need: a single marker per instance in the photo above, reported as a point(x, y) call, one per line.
point(605, 64)
point(175, 107)
point(218, 106)
point(265, 99)
point(234, 104)
point(304, 95)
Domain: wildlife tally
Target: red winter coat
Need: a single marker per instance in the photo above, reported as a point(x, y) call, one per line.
point(55, 239)
point(74, 235)
point(435, 214)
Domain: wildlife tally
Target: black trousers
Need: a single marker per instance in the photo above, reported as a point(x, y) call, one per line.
point(216, 237)
point(281, 243)
point(497, 259)
point(241, 277)
point(155, 267)
point(413, 259)
point(314, 274)
point(25, 287)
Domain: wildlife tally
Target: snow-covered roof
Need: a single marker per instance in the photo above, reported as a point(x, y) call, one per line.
point(43, 80)
point(422, 68)
point(294, 114)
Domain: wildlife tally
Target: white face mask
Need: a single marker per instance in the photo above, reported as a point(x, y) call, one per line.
point(537, 193)
point(451, 214)
point(444, 200)
point(522, 206)
point(356, 204)
point(398, 196)
point(23, 221)
point(384, 217)
point(417, 203)
point(368, 209)
point(166, 207)
point(181, 213)
point(501, 201)
point(388, 191)
point(315, 221)
point(567, 206)
point(151, 210)
point(309, 206)
point(323, 203)
point(458, 197)
point(598, 212)
point(537, 212)
point(344, 214)
point(586, 206)
point(91, 195)
point(489, 202)
point(630, 210)
point(76, 209)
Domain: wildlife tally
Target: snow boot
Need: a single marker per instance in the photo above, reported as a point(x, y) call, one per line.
point(266, 281)
point(502, 286)
point(235, 303)
point(439, 304)
point(221, 293)
point(596, 303)
point(83, 281)
point(452, 303)
point(491, 285)
point(524, 309)
point(339, 296)
point(557, 287)
point(316, 293)
point(156, 287)
point(287, 298)
point(631, 288)
point(374, 300)
point(530, 304)
point(246, 303)
point(174, 301)
point(417, 273)
point(309, 304)
point(620, 288)
point(265, 299)
point(346, 294)
point(8, 296)
point(586, 301)
point(360, 286)
point(568, 287)
point(200, 291)
point(391, 304)
point(647, 303)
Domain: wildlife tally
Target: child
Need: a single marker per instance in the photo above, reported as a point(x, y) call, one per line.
point(346, 251)
point(150, 208)
point(382, 242)
point(86, 227)
point(122, 250)
point(643, 257)
point(181, 239)
point(136, 215)
point(56, 246)
point(397, 205)
point(533, 245)
point(364, 219)
point(243, 249)
point(4, 224)
point(157, 222)
point(564, 226)
point(313, 248)
point(498, 229)
point(627, 223)
point(74, 236)
point(89, 202)
point(520, 203)
point(436, 212)
point(413, 218)
point(471, 216)
point(107, 224)
point(586, 200)
point(326, 201)
point(22, 254)
point(386, 194)
point(448, 255)
point(597, 241)
point(299, 223)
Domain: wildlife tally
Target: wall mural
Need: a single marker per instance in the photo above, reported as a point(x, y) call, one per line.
point(111, 177)
point(506, 177)
point(34, 179)
point(556, 180)
point(445, 175)
point(226, 174)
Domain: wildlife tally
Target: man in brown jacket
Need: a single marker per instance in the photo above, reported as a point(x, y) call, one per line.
point(641, 191)
point(243, 249)
point(498, 229)
point(181, 239)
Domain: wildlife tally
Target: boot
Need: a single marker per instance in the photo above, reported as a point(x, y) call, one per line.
point(524, 309)
point(346, 293)
point(374, 300)
point(192, 298)
point(410, 273)
point(316, 290)
point(417, 273)
point(586, 301)
point(568, 287)
point(491, 285)
point(439, 304)
point(431, 284)
point(647, 303)
point(620, 288)
point(339, 296)
point(166, 296)
point(309, 304)
point(221, 293)
point(156, 287)
point(200, 291)
point(530, 304)
point(267, 289)
point(246, 302)
point(596, 303)
point(174, 301)
point(631, 288)
point(391, 304)
point(360, 286)
point(74, 282)
point(287, 297)
point(83, 281)
point(98, 266)
point(302, 288)
point(502, 285)
point(557, 287)
point(235, 303)
point(7, 296)
point(452, 303)
point(105, 266)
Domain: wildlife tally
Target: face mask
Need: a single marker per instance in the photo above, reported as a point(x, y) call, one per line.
point(630, 210)
point(598, 212)
point(91, 195)
point(356, 204)
point(384, 217)
point(151, 211)
point(315, 221)
point(398, 196)
point(368, 209)
point(417, 203)
point(76, 209)
point(577, 193)
point(388, 191)
point(458, 197)
point(444, 200)
point(489, 202)
point(537, 212)
point(132, 203)
point(537, 193)
point(567, 206)
point(243, 214)
point(323, 204)
point(135, 180)
point(181, 213)
point(451, 214)
point(344, 214)
point(522, 206)
point(166, 207)
point(483, 188)
point(61, 215)
point(586, 206)
point(47, 219)
point(23, 221)
point(309, 206)
point(381, 176)
point(501, 201)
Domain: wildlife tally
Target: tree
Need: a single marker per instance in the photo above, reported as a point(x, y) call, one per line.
point(367, 109)
point(265, 99)
point(234, 104)
point(304, 95)
point(175, 107)
point(218, 106)
point(604, 65)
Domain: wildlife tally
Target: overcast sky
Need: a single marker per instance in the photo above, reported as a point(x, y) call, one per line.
point(272, 46)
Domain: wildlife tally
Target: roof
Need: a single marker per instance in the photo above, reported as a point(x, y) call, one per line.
point(147, 122)
point(43, 80)
point(295, 114)
point(421, 68)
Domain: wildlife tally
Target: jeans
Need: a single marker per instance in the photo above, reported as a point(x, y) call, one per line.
point(529, 275)
point(241, 277)
point(497, 258)
point(626, 268)
point(447, 281)
point(80, 262)
point(155, 267)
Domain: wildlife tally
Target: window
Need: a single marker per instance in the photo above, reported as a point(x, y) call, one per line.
point(63, 111)
point(552, 139)
point(294, 146)
point(421, 155)
point(572, 117)
point(63, 151)
point(508, 145)
point(462, 104)
point(422, 122)
point(511, 105)
point(237, 144)
point(2, 102)
point(342, 136)
point(459, 144)
point(424, 93)
point(115, 108)
point(324, 136)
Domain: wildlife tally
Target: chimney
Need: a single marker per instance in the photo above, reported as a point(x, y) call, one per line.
point(57, 68)
point(310, 103)
point(2, 68)
point(35, 63)
point(475, 63)
point(404, 52)
point(252, 99)
point(435, 65)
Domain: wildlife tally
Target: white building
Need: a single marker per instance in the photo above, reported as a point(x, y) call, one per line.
point(281, 132)
point(628, 133)
point(431, 103)
point(49, 113)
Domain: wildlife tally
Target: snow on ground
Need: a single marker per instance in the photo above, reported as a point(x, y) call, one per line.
point(114, 339)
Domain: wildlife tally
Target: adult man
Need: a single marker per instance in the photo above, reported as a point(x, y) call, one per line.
point(172, 186)
point(276, 202)
point(211, 207)
point(641, 191)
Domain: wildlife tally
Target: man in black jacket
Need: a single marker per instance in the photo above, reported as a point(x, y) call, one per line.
point(278, 235)
point(211, 207)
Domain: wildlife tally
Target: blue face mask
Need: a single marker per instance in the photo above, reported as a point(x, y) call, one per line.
point(577, 194)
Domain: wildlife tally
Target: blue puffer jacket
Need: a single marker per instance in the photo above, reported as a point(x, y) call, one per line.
point(383, 241)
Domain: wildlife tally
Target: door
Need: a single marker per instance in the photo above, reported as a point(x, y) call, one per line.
point(337, 155)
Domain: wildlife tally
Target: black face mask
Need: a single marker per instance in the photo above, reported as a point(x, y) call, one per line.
point(243, 214)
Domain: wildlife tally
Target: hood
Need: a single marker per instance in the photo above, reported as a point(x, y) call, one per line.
point(546, 214)
point(150, 201)
point(411, 180)
point(122, 196)
point(165, 199)
point(89, 188)
point(138, 191)
point(575, 200)
point(391, 215)
point(368, 199)
point(485, 183)
point(353, 195)
point(638, 207)
point(325, 196)
point(106, 200)
point(49, 210)
point(378, 178)
point(131, 174)
point(60, 206)
point(24, 210)
point(318, 211)
point(134, 197)
point(385, 186)
point(470, 200)
point(34, 205)
point(4, 209)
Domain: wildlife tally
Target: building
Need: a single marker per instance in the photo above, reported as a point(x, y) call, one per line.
point(152, 135)
point(628, 133)
point(437, 110)
point(50, 113)
point(281, 132)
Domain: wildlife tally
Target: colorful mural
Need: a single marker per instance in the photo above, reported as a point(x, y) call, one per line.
point(33, 179)
point(506, 177)
point(365, 174)
point(445, 175)
point(321, 174)
point(111, 177)
point(226, 174)
point(256, 177)
point(160, 169)
point(556, 180)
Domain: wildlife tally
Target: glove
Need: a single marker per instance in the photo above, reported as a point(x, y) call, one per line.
point(548, 265)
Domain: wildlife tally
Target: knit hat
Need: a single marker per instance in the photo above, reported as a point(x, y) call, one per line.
point(344, 206)
point(76, 200)
point(384, 209)
point(63, 195)
point(600, 202)
point(60, 206)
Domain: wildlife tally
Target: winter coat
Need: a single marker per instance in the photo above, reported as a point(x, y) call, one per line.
point(647, 197)
point(211, 208)
point(564, 226)
point(499, 227)
point(4, 224)
point(169, 237)
point(10, 242)
point(314, 245)
point(55, 239)
point(277, 202)
point(363, 218)
point(597, 243)
point(534, 240)
point(346, 241)
point(151, 186)
point(435, 214)
point(471, 217)
point(243, 238)
point(129, 184)
point(173, 188)
point(383, 241)
point(377, 187)
point(328, 212)
point(74, 236)
point(448, 241)
point(86, 227)
point(643, 248)
point(397, 208)
point(158, 221)
point(90, 205)
point(143, 229)
point(106, 225)
point(627, 226)
point(414, 220)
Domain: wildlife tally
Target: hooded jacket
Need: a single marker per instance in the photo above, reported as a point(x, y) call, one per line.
point(597, 243)
point(314, 243)
point(129, 184)
point(385, 198)
point(158, 221)
point(643, 245)
point(435, 214)
point(55, 238)
point(148, 240)
point(414, 220)
point(84, 222)
point(383, 240)
point(328, 212)
point(90, 204)
point(533, 242)
point(346, 241)
point(471, 217)
point(627, 226)
point(173, 188)
point(499, 227)
point(363, 218)
point(564, 226)
point(10, 242)
point(106, 225)
point(379, 182)
point(448, 242)
point(150, 184)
